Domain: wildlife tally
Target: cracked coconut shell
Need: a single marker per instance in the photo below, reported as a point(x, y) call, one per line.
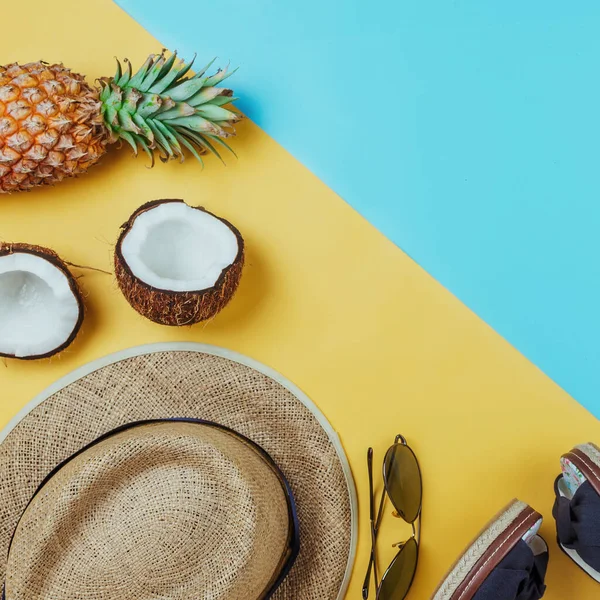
point(176, 264)
point(43, 303)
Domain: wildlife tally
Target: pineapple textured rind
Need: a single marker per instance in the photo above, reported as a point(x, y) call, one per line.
point(50, 125)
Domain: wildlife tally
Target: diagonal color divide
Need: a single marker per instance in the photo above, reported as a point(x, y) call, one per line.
point(465, 131)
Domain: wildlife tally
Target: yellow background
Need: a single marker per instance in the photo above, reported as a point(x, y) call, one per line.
point(325, 299)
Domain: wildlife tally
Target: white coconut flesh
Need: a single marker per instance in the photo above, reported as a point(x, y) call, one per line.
point(179, 248)
point(38, 309)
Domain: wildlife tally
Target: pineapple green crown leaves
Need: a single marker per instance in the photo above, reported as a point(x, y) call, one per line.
point(161, 108)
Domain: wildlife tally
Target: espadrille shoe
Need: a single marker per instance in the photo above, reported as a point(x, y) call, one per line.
point(507, 561)
point(577, 507)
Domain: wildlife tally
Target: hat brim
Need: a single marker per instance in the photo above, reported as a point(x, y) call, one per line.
point(201, 382)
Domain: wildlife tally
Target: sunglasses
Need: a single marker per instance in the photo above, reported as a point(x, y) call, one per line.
point(404, 487)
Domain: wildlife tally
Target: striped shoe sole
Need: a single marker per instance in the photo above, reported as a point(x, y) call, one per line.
point(484, 554)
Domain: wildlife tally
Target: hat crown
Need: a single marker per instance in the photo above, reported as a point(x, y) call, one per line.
point(169, 509)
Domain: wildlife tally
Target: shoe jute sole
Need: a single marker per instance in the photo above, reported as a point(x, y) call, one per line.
point(494, 542)
point(587, 459)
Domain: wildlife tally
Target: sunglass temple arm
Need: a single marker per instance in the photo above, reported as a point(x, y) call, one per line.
point(374, 528)
point(376, 521)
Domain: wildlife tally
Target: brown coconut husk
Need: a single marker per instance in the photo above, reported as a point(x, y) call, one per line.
point(52, 257)
point(177, 308)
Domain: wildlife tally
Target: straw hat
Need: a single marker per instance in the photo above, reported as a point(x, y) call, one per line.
point(57, 534)
point(168, 509)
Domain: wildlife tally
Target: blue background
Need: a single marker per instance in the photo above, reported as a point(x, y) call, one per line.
point(466, 131)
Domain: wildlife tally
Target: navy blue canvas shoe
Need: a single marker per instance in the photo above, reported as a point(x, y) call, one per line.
point(507, 561)
point(577, 507)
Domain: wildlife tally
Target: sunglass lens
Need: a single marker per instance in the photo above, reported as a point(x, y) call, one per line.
point(399, 577)
point(402, 478)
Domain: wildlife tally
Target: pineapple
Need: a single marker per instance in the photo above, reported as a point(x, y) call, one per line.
point(55, 125)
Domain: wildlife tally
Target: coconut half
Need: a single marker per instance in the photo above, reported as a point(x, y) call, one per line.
point(177, 264)
point(41, 309)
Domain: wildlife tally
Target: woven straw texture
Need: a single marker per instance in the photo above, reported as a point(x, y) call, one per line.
point(202, 386)
point(477, 549)
point(592, 451)
point(167, 510)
